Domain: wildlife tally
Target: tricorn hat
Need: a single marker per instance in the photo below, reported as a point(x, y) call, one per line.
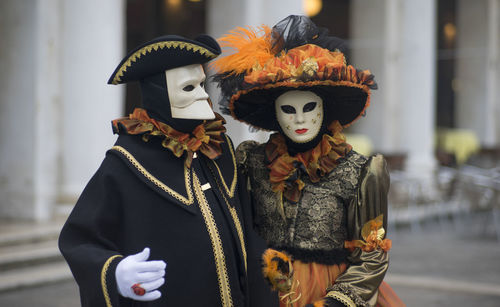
point(294, 54)
point(162, 53)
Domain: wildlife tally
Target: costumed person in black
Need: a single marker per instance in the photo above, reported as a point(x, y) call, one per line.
point(321, 206)
point(166, 193)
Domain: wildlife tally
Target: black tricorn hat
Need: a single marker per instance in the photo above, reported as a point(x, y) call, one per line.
point(162, 53)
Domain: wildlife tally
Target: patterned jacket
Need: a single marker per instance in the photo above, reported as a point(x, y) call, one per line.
point(329, 213)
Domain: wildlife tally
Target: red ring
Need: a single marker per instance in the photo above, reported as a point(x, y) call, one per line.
point(138, 290)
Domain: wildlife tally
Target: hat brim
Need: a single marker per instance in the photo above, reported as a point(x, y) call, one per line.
point(163, 53)
point(342, 100)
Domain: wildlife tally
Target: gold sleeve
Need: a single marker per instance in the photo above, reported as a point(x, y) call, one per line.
point(368, 262)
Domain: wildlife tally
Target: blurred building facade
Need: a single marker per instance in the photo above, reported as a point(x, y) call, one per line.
point(436, 63)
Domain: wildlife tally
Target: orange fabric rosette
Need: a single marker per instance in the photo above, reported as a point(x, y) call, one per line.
point(373, 237)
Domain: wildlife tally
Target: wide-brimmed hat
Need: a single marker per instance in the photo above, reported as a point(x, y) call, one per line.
point(294, 54)
point(162, 53)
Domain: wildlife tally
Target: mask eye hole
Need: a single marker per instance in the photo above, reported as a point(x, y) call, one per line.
point(309, 106)
point(188, 88)
point(288, 109)
point(202, 84)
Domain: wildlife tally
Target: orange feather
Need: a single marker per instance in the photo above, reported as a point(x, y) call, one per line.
point(249, 50)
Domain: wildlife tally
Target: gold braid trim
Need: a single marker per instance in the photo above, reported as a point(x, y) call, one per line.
point(161, 45)
point(232, 210)
point(239, 229)
point(341, 297)
point(237, 224)
point(103, 279)
point(229, 192)
point(187, 178)
point(220, 261)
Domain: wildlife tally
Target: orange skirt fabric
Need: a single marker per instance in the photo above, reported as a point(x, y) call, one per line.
point(312, 279)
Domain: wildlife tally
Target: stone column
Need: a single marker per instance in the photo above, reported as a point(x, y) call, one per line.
point(223, 16)
point(55, 106)
point(93, 45)
point(376, 45)
point(395, 39)
point(417, 85)
point(492, 135)
point(478, 69)
point(29, 107)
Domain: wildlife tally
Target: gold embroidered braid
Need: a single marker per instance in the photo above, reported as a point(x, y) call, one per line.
point(237, 225)
point(229, 192)
point(103, 279)
point(220, 261)
point(341, 297)
point(239, 229)
point(149, 48)
point(187, 201)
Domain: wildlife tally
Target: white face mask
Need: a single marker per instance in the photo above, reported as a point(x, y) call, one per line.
point(186, 93)
point(300, 114)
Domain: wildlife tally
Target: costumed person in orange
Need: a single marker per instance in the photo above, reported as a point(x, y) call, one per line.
point(320, 205)
point(162, 222)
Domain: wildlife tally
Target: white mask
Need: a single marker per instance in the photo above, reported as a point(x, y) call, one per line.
point(299, 114)
point(186, 93)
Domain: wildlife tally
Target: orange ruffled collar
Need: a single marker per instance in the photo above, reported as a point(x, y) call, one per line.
point(285, 170)
point(206, 137)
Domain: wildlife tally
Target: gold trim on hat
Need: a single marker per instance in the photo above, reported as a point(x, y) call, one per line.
point(149, 48)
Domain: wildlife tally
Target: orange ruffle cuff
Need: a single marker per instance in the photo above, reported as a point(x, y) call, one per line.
point(317, 162)
point(206, 137)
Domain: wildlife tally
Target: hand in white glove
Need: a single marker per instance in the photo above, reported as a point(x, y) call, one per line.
point(135, 269)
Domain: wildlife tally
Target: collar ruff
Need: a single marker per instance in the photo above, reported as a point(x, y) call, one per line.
point(206, 137)
point(286, 171)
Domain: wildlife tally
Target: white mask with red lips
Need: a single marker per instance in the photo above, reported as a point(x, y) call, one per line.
point(186, 92)
point(300, 115)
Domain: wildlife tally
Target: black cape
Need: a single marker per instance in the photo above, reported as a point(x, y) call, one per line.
point(198, 220)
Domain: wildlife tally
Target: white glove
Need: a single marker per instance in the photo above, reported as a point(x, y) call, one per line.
point(134, 269)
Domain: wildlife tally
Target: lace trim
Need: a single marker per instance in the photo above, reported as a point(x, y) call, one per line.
point(341, 297)
point(347, 291)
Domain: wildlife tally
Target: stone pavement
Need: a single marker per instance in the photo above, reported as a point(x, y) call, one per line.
point(442, 266)
point(436, 266)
